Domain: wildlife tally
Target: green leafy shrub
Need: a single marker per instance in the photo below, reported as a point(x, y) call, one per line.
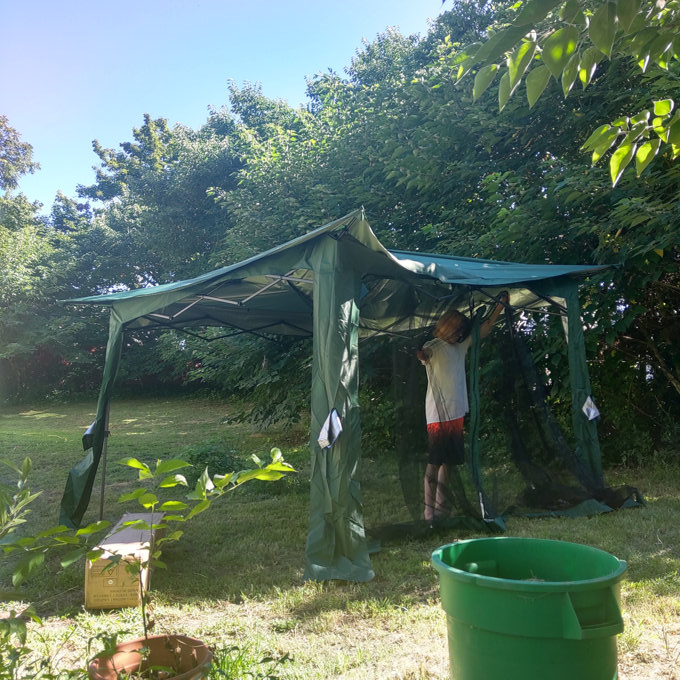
point(270, 379)
point(212, 454)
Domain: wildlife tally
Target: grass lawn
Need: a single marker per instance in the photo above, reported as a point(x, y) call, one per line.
point(235, 578)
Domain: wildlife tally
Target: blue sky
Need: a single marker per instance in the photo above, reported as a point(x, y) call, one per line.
point(78, 70)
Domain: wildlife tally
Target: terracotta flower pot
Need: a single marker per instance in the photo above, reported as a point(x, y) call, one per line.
point(189, 658)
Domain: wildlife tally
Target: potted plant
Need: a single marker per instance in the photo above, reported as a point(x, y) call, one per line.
point(168, 656)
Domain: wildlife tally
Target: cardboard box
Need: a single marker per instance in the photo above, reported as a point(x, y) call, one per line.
point(110, 585)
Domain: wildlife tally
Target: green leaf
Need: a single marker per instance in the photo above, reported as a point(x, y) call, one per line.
point(559, 48)
point(569, 74)
point(500, 43)
point(589, 61)
point(638, 45)
point(534, 11)
point(626, 11)
point(26, 468)
point(281, 466)
point(619, 161)
point(199, 507)
point(10, 464)
point(570, 10)
point(645, 154)
point(133, 463)
point(483, 78)
point(536, 82)
point(173, 506)
point(663, 107)
point(464, 67)
point(267, 475)
point(67, 540)
point(73, 556)
point(604, 142)
point(163, 467)
point(245, 475)
point(132, 495)
point(174, 536)
point(504, 91)
point(603, 27)
point(519, 62)
point(674, 134)
point(659, 47)
point(55, 530)
point(144, 470)
point(140, 524)
point(635, 133)
point(93, 528)
point(148, 500)
point(223, 480)
point(172, 481)
point(659, 126)
point(26, 567)
point(97, 553)
point(596, 137)
point(174, 518)
point(203, 484)
point(11, 626)
point(641, 117)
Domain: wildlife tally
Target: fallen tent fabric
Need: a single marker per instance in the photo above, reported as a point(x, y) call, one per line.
point(336, 283)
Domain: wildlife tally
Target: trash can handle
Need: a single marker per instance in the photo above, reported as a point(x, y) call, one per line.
point(610, 624)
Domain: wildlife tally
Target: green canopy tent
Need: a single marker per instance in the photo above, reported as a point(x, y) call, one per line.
point(336, 283)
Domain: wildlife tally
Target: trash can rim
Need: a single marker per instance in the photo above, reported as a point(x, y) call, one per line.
point(497, 582)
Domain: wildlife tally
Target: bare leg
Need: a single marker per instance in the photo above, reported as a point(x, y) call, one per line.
point(442, 506)
point(431, 479)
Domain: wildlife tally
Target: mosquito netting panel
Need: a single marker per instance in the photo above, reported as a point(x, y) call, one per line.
point(520, 456)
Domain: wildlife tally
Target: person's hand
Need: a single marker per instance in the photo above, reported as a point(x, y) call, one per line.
point(423, 357)
point(504, 298)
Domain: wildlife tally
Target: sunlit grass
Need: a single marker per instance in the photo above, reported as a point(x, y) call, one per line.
point(236, 577)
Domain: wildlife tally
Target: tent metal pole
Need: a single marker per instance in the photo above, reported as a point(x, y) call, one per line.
point(103, 461)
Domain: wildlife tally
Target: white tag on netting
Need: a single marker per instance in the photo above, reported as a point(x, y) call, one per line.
point(330, 430)
point(590, 409)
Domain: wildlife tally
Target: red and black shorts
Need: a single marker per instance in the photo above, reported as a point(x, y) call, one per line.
point(445, 443)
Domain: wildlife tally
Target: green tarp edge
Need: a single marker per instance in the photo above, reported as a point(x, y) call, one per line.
point(81, 478)
point(336, 541)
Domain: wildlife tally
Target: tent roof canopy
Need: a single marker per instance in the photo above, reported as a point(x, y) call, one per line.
point(272, 292)
point(334, 283)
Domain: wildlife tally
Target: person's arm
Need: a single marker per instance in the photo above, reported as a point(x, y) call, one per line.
point(424, 355)
point(488, 324)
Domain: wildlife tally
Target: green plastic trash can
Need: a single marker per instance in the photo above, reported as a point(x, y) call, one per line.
point(530, 609)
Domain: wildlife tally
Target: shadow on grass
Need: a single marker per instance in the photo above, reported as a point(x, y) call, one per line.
point(252, 547)
point(270, 565)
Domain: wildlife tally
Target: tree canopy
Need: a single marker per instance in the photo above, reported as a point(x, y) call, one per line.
point(568, 42)
point(437, 167)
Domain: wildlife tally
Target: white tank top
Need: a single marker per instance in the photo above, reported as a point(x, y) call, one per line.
point(447, 397)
